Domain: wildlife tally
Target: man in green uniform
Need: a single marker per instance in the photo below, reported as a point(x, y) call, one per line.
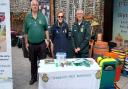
point(36, 32)
point(81, 35)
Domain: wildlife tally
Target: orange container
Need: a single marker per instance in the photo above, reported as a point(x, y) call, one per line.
point(110, 54)
point(100, 48)
point(101, 44)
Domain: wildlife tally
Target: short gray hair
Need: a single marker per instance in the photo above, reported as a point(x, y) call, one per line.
point(79, 10)
point(33, 1)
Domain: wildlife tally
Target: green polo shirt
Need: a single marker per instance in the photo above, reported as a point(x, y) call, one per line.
point(35, 28)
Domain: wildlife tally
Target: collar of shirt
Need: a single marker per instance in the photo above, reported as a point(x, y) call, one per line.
point(37, 15)
point(79, 23)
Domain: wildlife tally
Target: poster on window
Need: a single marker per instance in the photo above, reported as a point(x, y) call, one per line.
point(5, 46)
point(120, 22)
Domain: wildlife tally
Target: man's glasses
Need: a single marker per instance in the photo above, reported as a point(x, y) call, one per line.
point(60, 16)
point(34, 4)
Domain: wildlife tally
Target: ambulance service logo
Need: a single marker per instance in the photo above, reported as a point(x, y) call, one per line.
point(45, 77)
point(98, 75)
point(40, 22)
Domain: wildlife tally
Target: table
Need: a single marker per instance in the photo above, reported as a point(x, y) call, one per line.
point(69, 77)
point(6, 84)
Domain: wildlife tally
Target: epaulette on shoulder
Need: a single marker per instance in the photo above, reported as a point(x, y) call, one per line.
point(87, 22)
point(75, 23)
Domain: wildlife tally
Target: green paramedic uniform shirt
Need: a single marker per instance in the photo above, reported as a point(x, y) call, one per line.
point(81, 36)
point(35, 28)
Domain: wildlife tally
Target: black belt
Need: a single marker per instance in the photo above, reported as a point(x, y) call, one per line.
point(36, 43)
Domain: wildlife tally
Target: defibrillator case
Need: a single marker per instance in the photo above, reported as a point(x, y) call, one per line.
point(108, 72)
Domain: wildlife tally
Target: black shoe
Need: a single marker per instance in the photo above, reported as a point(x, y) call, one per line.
point(32, 81)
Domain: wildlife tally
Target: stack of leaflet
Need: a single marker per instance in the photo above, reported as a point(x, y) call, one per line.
point(82, 62)
point(126, 51)
point(123, 57)
point(121, 53)
point(74, 62)
point(126, 64)
point(126, 60)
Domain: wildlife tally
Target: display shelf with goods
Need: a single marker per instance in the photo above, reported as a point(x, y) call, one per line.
point(122, 57)
point(91, 8)
point(18, 9)
point(126, 66)
point(17, 19)
point(126, 63)
point(20, 5)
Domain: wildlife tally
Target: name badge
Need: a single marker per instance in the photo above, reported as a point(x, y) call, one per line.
point(82, 29)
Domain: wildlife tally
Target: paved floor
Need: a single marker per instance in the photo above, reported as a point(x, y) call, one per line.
point(21, 72)
point(123, 83)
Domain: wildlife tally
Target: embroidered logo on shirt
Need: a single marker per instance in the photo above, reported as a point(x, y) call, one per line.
point(40, 22)
point(65, 31)
point(57, 31)
point(45, 77)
